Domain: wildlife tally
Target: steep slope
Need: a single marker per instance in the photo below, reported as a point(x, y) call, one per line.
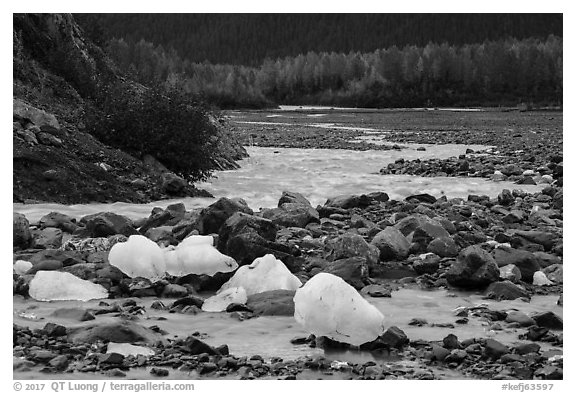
point(58, 75)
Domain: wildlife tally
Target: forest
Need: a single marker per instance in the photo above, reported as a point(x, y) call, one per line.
point(505, 72)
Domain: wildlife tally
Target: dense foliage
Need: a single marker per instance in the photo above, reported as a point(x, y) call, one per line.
point(163, 124)
point(248, 39)
point(506, 72)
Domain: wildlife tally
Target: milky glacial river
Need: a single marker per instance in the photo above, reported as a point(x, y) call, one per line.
point(316, 173)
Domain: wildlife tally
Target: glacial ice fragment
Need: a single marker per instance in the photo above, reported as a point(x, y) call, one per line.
point(50, 285)
point(327, 306)
point(264, 274)
point(128, 349)
point(21, 267)
point(200, 258)
point(138, 257)
point(219, 302)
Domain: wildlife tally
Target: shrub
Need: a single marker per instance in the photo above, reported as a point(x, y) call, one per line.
point(167, 125)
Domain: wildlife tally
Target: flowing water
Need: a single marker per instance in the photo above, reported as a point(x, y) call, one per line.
point(316, 173)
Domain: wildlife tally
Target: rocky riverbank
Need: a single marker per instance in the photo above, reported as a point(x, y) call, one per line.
point(504, 248)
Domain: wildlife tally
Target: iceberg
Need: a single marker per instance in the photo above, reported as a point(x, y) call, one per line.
point(327, 306)
point(50, 285)
point(219, 302)
point(201, 258)
point(21, 267)
point(264, 274)
point(138, 257)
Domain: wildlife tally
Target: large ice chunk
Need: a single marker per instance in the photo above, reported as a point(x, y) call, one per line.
point(219, 302)
point(264, 274)
point(138, 257)
point(196, 240)
point(53, 285)
point(327, 306)
point(197, 257)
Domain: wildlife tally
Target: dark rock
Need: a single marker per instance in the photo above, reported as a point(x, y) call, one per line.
point(348, 201)
point(524, 349)
point(293, 197)
point(546, 239)
point(418, 322)
point(443, 247)
point(429, 265)
point(246, 237)
point(549, 320)
point(555, 273)
point(21, 235)
point(451, 342)
point(277, 302)
point(394, 337)
point(194, 346)
point(374, 290)
point(60, 362)
point(106, 224)
point(54, 330)
point(351, 245)
point(112, 358)
point(58, 220)
point(524, 260)
point(519, 318)
point(159, 372)
point(119, 332)
point(549, 372)
point(169, 217)
point(505, 198)
point(424, 198)
point(456, 356)
point(190, 300)
point(352, 270)
point(494, 349)
point(174, 291)
point(214, 216)
point(474, 268)
point(392, 244)
point(439, 353)
point(292, 215)
point(47, 238)
point(505, 290)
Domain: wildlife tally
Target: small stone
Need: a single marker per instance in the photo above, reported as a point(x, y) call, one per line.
point(494, 349)
point(159, 372)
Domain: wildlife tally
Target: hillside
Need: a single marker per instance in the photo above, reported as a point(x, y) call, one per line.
point(59, 78)
point(248, 39)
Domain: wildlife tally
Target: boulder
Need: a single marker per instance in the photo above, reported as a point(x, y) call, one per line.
point(511, 273)
point(107, 223)
point(555, 273)
point(58, 220)
point(246, 237)
point(474, 268)
point(214, 216)
point(293, 197)
point(392, 244)
point(352, 270)
point(351, 245)
point(21, 235)
point(348, 201)
point(292, 215)
point(443, 247)
point(426, 264)
point(505, 290)
point(169, 217)
point(524, 260)
point(47, 238)
point(117, 332)
point(276, 302)
point(548, 319)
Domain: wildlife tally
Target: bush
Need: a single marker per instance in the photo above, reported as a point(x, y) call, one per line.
point(167, 125)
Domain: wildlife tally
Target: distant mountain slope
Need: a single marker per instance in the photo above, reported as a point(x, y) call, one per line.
point(250, 38)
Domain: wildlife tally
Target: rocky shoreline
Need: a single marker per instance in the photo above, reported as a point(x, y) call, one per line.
point(509, 247)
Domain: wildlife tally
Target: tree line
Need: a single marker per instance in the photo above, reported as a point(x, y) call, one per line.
point(248, 39)
point(502, 72)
